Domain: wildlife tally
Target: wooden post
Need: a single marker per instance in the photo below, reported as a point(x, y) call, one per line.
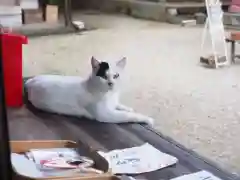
point(68, 13)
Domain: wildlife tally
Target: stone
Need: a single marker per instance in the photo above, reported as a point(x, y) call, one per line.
point(148, 10)
point(200, 18)
point(189, 22)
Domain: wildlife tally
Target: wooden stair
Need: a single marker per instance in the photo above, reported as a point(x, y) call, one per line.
point(187, 9)
point(190, 4)
point(231, 20)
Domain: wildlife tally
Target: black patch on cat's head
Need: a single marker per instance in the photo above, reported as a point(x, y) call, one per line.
point(103, 68)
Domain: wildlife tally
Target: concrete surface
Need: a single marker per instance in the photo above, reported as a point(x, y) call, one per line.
point(198, 107)
point(148, 10)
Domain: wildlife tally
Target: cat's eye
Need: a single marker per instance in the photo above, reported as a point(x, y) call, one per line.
point(105, 77)
point(115, 76)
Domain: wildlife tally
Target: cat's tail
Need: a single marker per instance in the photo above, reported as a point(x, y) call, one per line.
point(28, 80)
point(27, 101)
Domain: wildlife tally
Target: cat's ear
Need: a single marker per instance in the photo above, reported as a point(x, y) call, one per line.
point(95, 63)
point(122, 63)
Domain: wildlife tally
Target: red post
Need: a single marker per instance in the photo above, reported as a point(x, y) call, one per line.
point(12, 68)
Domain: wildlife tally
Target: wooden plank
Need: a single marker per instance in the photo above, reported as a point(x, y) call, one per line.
point(101, 136)
point(23, 125)
point(190, 4)
point(41, 125)
point(107, 136)
point(187, 157)
point(43, 29)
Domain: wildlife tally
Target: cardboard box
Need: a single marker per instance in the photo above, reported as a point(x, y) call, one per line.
point(32, 16)
point(101, 163)
point(51, 14)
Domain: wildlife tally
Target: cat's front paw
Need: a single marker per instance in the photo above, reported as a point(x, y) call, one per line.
point(124, 108)
point(128, 109)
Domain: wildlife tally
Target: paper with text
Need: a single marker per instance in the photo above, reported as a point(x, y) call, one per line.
point(141, 159)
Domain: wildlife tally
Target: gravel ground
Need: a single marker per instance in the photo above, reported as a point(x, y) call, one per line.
point(196, 106)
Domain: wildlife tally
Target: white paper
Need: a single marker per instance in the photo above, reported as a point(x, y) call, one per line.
point(46, 154)
point(44, 159)
point(24, 166)
point(201, 175)
point(144, 158)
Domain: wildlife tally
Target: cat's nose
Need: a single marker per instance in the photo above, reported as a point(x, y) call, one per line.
point(110, 84)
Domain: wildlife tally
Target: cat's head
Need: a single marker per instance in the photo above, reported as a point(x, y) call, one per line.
point(107, 75)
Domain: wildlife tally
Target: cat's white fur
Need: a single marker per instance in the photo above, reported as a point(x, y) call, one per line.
point(91, 97)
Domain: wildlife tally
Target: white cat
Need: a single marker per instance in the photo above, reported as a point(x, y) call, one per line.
point(95, 97)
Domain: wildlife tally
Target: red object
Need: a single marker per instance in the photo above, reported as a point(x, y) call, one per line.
point(12, 68)
point(235, 2)
point(234, 6)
